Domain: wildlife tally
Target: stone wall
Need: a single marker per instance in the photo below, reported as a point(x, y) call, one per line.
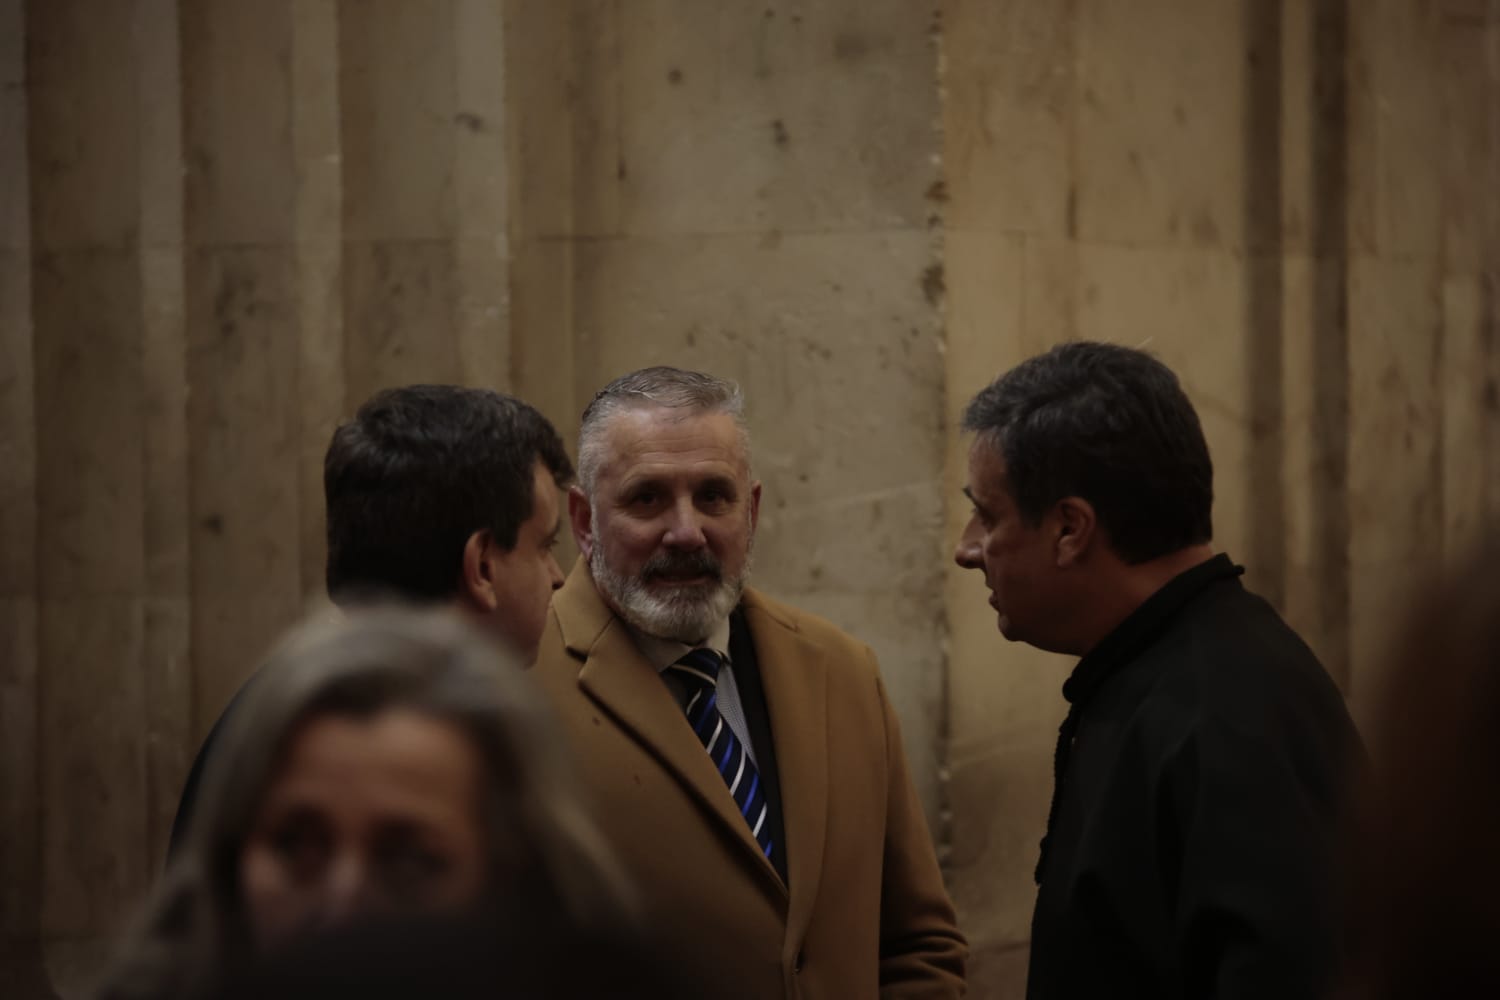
point(224, 224)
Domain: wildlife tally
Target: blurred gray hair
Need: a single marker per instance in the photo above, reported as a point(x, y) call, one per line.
point(671, 388)
point(373, 659)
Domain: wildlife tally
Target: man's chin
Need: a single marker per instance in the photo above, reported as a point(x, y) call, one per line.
point(682, 592)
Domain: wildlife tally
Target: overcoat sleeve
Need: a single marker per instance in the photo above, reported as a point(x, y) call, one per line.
point(922, 952)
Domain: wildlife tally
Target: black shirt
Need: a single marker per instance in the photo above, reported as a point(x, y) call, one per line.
point(1202, 779)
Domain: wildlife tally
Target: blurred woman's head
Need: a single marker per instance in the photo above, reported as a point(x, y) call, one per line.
point(392, 762)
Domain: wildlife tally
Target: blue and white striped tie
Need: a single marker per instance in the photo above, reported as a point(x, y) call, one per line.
point(700, 669)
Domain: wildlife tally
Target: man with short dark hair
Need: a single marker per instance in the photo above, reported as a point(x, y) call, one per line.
point(1203, 766)
point(745, 758)
point(440, 494)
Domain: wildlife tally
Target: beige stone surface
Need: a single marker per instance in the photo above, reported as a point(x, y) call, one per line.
point(237, 120)
point(1402, 46)
point(1395, 471)
point(92, 775)
point(398, 119)
point(540, 72)
point(1010, 113)
point(1470, 143)
point(80, 198)
point(1160, 90)
point(326, 402)
point(243, 433)
point(1467, 444)
point(1002, 794)
point(87, 320)
point(315, 135)
point(481, 171)
point(543, 358)
point(737, 117)
point(1314, 476)
point(397, 294)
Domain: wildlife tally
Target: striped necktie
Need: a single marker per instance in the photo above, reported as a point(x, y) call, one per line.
point(700, 670)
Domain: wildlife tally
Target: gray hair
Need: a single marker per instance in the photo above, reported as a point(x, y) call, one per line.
point(671, 388)
point(376, 658)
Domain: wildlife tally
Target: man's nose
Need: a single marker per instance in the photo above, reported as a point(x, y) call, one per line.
point(967, 552)
point(555, 572)
point(685, 526)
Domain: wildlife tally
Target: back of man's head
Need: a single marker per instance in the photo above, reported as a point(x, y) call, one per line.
point(1111, 425)
point(419, 470)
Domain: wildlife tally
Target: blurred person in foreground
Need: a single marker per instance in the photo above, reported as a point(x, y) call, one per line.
point(438, 494)
point(1204, 765)
point(1426, 888)
point(744, 756)
point(393, 766)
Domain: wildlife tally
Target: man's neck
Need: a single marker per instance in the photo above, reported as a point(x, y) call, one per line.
point(1130, 586)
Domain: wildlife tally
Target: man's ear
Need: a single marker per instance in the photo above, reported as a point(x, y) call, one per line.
point(1075, 525)
point(580, 519)
point(478, 583)
point(754, 505)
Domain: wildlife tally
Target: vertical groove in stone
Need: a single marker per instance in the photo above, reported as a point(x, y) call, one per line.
point(1330, 237)
point(166, 674)
point(540, 72)
point(319, 268)
point(243, 311)
point(480, 187)
point(1262, 206)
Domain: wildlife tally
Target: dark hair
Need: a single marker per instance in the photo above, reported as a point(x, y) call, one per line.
point(1108, 424)
point(416, 472)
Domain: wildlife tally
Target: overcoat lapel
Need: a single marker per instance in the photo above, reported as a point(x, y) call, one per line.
point(623, 682)
point(795, 679)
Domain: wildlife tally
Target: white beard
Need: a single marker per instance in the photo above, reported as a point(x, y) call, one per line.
point(684, 614)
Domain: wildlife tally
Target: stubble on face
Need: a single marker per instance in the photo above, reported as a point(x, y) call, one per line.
point(682, 612)
point(671, 521)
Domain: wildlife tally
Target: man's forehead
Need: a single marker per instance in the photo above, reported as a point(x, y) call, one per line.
point(987, 473)
point(659, 434)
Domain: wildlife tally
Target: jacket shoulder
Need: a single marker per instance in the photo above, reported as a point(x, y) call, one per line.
point(814, 629)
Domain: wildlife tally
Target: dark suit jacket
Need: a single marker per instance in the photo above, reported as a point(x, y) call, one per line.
point(864, 912)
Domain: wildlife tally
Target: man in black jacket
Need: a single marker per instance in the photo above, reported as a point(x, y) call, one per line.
point(1203, 767)
point(438, 494)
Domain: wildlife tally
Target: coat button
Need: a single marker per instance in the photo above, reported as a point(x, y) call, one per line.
point(797, 963)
